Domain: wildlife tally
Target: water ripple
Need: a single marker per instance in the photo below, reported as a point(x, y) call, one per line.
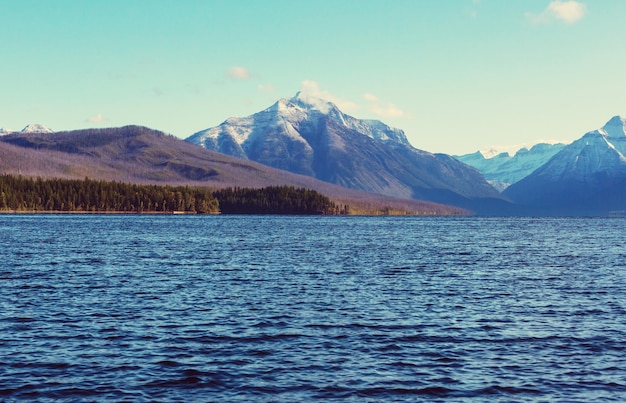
point(141, 308)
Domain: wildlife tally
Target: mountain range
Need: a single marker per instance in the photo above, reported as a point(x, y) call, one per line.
point(586, 177)
point(308, 142)
point(31, 128)
point(312, 137)
point(502, 170)
point(135, 154)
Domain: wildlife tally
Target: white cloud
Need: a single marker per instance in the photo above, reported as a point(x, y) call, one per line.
point(382, 109)
point(98, 118)
point(568, 11)
point(311, 92)
point(238, 73)
point(370, 97)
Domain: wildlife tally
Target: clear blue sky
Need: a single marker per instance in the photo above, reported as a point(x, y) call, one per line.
point(455, 75)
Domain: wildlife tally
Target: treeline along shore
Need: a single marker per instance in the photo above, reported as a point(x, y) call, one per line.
point(23, 194)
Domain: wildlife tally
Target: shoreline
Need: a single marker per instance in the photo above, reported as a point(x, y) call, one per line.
point(102, 212)
point(365, 214)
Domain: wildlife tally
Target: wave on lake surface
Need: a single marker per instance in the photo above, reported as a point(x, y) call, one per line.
point(217, 308)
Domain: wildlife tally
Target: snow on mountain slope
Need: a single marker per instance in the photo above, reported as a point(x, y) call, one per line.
point(614, 128)
point(313, 137)
point(598, 151)
point(286, 115)
point(587, 176)
point(276, 135)
point(31, 128)
point(36, 128)
point(502, 170)
point(371, 128)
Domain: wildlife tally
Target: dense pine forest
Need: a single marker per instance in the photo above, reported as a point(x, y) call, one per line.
point(275, 200)
point(27, 194)
point(24, 194)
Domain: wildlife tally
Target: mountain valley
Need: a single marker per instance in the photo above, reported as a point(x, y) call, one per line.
point(502, 170)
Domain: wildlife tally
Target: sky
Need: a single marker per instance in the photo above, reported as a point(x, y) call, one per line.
point(456, 75)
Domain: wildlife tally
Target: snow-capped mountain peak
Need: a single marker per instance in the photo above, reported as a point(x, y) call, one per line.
point(286, 116)
point(493, 152)
point(311, 102)
point(311, 136)
point(36, 128)
point(585, 177)
point(31, 128)
point(614, 128)
point(502, 169)
point(286, 109)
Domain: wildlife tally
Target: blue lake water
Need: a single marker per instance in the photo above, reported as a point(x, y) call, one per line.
point(253, 308)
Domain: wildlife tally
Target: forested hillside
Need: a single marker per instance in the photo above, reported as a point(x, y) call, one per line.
point(27, 194)
point(64, 195)
point(276, 200)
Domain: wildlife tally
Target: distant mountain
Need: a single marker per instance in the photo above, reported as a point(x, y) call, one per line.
point(36, 128)
point(501, 169)
point(31, 128)
point(136, 154)
point(587, 177)
point(313, 137)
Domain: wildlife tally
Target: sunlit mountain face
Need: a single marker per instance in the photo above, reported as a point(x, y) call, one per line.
point(310, 136)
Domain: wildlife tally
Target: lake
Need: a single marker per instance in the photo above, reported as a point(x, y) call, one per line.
point(279, 308)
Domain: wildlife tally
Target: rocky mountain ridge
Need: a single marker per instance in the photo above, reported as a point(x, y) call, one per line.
point(587, 177)
point(310, 136)
point(502, 169)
